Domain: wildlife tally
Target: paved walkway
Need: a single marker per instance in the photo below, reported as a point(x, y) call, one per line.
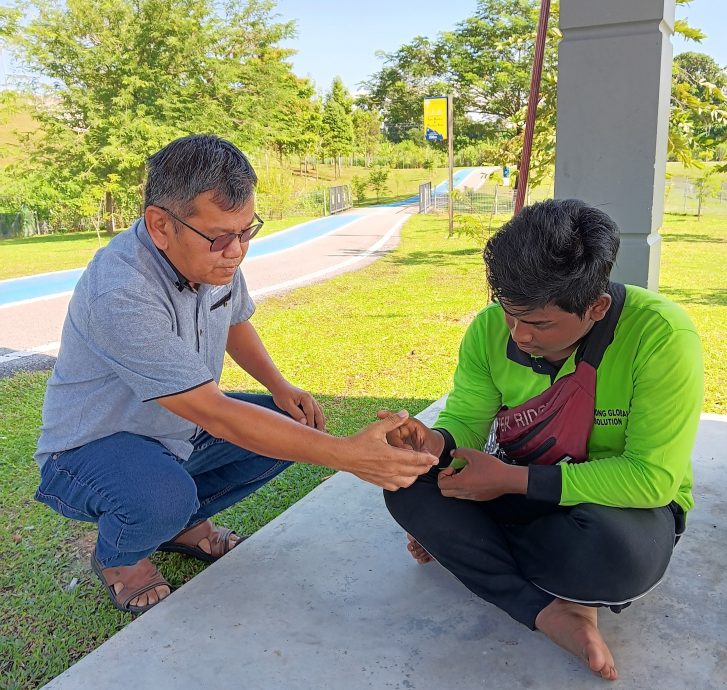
point(326, 596)
point(30, 332)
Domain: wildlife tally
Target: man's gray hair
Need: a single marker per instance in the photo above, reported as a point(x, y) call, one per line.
point(189, 166)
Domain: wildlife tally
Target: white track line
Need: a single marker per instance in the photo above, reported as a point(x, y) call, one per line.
point(30, 300)
point(39, 349)
point(302, 280)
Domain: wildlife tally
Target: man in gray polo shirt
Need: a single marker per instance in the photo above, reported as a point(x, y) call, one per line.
point(136, 434)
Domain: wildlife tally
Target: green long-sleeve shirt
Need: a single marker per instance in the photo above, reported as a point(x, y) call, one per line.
point(649, 395)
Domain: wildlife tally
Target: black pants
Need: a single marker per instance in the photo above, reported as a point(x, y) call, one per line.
point(519, 554)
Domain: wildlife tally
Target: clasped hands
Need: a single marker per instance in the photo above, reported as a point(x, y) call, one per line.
point(483, 478)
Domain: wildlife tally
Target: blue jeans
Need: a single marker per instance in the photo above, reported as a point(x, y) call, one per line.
point(142, 495)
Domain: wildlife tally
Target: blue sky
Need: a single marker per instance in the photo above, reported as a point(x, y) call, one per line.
point(336, 37)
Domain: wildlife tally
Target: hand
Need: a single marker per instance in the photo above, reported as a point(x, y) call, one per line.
point(369, 456)
point(415, 435)
point(300, 405)
point(483, 478)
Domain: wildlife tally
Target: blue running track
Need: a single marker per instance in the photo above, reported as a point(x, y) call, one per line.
point(439, 190)
point(49, 284)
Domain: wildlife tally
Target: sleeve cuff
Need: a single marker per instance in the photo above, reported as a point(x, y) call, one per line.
point(449, 445)
point(544, 483)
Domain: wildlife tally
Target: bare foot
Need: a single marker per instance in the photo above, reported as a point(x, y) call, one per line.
point(134, 576)
point(575, 628)
point(418, 552)
point(148, 598)
point(207, 540)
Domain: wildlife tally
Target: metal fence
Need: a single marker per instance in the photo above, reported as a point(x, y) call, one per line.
point(273, 206)
point(495, 200)
point(425, 197)
point(684, 195)
point(339, 198)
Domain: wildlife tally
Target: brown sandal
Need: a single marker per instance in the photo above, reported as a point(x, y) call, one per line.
point(218, 537)
point(137, 580)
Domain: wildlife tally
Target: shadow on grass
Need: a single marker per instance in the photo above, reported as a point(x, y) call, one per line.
point(53, 610)
point(438, 258)
point(690, 237)
point(54, 238)
point(713, 297)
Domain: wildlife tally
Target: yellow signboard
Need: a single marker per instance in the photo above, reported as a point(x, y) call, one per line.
point(435, 118)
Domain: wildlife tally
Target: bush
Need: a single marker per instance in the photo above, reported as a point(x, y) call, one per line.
point(473, 226)
point(378, 180)
point(360, 185)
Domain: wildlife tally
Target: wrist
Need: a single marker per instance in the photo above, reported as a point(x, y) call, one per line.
point(276, 384)
point(436, 442)
point(516, 479)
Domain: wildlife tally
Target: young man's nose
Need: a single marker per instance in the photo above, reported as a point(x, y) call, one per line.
point(521, 334)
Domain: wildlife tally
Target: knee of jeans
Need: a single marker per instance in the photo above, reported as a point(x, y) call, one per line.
point(169, 506)
point(259, 399)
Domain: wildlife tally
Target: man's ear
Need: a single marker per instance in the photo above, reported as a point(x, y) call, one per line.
point(159, 227)
point(599, 308)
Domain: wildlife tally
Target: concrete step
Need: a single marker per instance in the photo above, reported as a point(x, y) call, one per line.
point(326, 596)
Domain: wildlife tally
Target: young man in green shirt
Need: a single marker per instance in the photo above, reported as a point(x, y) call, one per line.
point(585, 396)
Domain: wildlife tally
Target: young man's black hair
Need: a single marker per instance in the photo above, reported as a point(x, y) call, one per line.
point(559, 251)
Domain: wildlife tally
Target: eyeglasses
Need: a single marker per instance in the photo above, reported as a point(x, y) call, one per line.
point(217, 244)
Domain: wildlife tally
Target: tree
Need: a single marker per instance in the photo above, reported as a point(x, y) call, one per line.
point(486, 62)
point(128, 76)
point(378, 180)
point(366, 134)
point(360, 185)
point(707, 184)
point(337, 130)
point(698, 119)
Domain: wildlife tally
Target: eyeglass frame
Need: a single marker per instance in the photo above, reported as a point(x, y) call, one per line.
point(252, 229)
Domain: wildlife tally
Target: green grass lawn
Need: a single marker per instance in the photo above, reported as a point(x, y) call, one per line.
point(24, 256)
point(386, 336)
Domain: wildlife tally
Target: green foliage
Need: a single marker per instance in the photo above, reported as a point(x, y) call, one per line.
point(366, 134)
point(128, 76)
point(475, 227)
point(698, 119)
point(707, 184)
point(378, 180)
point(360, 185)
point(486, 61)
point(337, 139)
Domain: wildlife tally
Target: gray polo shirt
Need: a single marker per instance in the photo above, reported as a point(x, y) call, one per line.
point(136, 331)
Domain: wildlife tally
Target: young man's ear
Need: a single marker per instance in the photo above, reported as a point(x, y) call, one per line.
point(599, 308)
point(158, 225)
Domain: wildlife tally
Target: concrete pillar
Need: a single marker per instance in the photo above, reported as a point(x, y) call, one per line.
point(614, 83)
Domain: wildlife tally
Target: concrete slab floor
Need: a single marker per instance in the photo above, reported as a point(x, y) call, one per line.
point(326, 596)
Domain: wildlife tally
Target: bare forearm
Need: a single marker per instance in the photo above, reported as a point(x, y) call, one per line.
point(246, 348)
point(274, 435)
